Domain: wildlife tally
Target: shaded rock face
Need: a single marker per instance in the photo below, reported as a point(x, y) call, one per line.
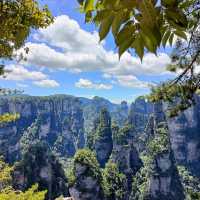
point(58, 120)
point(86, 187)
point(185, 138)
point(103, 149)
point(103, 143)
point(128, 161)
point(39, 165)
point(124, 153)
point(120, 116)
point(165, 183)
point(92, 107)
point(184, 133)
point(139, 114)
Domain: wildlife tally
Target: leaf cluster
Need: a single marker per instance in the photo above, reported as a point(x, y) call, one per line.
point(140, 25)
point(114, 182)
point(190, 183)
point(8, 117)
point(87, 158)
point(31, 194)
point(179, 96)
point(17, 18)
point(8, 193)
point(185, 57)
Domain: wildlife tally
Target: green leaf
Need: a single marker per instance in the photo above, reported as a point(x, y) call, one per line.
point(118, 20)
point(105, 27)
point(171, 39)
point(176, 16)
point(126, 32)
point(181, 34)
point(125, 45)
point(139, 47)
point(89, 5)
point(166, 38)
point(169, 3)
point(148, 43)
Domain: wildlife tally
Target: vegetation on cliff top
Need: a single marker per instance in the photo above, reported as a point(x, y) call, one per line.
point(8, 193)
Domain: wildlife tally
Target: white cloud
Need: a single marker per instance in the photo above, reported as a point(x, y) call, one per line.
point(151, 65)
point(131, 82)
point(78, 50)
point(47, 83)
point(67, 34)
point(85, 83)
point(20, 73)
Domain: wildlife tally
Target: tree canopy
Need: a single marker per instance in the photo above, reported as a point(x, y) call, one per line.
point(8, 193)
point(8, 117)
point(17, 18)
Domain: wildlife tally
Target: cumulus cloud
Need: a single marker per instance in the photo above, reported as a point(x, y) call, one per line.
point(131, 82)
point(20, 73)
point(85, 83)
point(47, 83)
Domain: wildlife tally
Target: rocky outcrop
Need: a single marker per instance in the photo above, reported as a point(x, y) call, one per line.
point(185, 137)
point(39, 165)
point(87, 180)
point(124, 153)
point(164, 180)
point(120, 116)
point(139, 113)
point(86, 188)
point(92, 107)
point(103, 144)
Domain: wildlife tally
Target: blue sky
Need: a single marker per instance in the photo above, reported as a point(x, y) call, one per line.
point(67, 58)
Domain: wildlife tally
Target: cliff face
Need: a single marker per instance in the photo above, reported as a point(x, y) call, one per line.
point(124, 153)
point(86, 186)
point(58, 120)
point(139, 114)
point(164, 180)
point(103, 144)
point(92, 107)
point(86, 183)
point(39, 165)
point(185, 138)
